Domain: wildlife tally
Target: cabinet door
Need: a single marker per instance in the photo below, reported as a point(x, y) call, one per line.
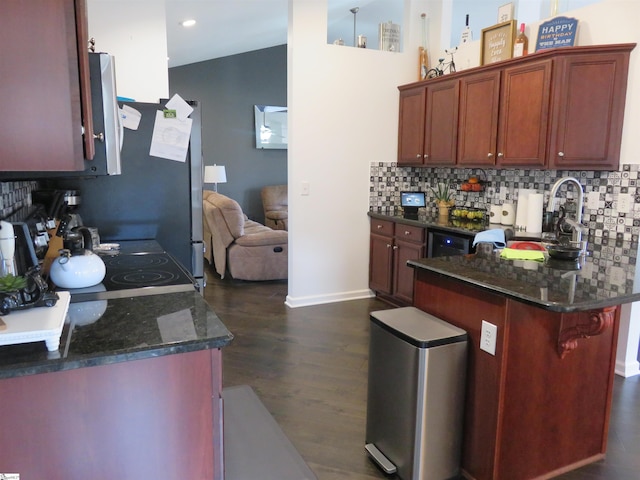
point(40, 87)
point(403, 275)
point(441, 123)
point(380, 263)
point(524, 112)
point(411, 126)
point(478, 124)
point(589, 96)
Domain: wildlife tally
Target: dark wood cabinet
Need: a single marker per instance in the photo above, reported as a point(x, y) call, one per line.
point(411, 126)
point(45, 86)
point(525, 102)
point(557, 109)
point(381, 256)
point(588, 108)
point(392, 244)
point(441, 124)
point(428, 124)
point(478, 121)
point(158, 417)
point(540, 406)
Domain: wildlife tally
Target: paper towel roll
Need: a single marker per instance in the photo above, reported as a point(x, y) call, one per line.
point(495, 213)
point(534, 213)
point(508, 214)
point(521, 211)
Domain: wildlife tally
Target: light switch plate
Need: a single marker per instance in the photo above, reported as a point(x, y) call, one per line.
point(488, 337)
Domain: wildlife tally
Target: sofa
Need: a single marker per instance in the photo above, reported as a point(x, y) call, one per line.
point(246, 249)
point(275, 202)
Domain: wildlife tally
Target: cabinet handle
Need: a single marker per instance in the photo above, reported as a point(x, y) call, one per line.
point(500, 155)
point(388, 245)
point(98, 136)
point(418, 156)
point(426, 156)
point(407, 232)
point(561, 154)
point(489, 154)
point(395, 247)
point(379, 227)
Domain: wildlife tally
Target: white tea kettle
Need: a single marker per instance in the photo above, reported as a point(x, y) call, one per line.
point(80, 268)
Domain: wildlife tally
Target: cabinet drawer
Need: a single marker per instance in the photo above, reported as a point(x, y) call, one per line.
point(382, 227)
point(410, 233)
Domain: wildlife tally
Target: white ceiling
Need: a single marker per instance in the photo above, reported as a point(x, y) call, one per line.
point(229, 27)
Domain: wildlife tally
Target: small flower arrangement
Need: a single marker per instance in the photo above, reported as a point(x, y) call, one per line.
point(443, 195)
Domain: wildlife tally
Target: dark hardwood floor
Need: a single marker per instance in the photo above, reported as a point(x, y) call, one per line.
point(309, 367)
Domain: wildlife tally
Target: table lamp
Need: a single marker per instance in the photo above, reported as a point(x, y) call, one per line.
point(215, 174)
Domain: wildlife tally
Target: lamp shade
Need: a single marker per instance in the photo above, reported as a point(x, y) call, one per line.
point(215, 174)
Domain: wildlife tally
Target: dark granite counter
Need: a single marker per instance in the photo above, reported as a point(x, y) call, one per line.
point(130, 328)
point(460, 226)
point(552, 285)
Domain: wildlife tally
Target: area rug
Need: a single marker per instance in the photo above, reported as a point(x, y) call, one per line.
point(255, 446)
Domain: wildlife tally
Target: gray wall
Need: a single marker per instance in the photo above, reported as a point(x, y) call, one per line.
point(228, 88)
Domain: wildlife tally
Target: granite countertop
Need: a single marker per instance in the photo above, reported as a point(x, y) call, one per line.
point(460, 226)
point(552, 285)
point(131, 328)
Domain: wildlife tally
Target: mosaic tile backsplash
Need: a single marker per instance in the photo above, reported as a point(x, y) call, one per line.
point(14, 196)
point(611, 199)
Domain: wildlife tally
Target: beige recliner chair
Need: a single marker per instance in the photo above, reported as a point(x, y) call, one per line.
point(276, 206)
point(246, 249)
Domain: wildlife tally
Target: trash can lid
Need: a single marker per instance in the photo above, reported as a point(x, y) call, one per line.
point(417, 327)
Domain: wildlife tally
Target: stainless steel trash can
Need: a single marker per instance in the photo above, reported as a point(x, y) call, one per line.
point(415, 398)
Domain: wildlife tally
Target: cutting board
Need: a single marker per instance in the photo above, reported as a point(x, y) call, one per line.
point(36, 324)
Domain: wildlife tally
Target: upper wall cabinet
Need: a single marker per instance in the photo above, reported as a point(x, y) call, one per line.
point(45, 86)
point(429, 123)
point(560, 109)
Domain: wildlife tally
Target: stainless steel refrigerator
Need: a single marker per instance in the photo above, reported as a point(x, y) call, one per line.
point(153, 198)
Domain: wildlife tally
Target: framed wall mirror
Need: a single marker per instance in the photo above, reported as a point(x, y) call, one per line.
point(271, 127)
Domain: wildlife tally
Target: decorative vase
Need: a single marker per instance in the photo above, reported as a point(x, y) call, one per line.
point(443, 210)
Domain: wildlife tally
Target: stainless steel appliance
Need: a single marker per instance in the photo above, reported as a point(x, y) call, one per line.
point(442, 244)
point(415, 394)
point(153, 198)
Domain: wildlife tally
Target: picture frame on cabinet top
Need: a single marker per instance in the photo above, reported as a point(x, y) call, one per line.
point(505, 12)
point(496, 42)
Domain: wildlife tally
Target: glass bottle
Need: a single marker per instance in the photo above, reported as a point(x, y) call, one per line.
point(521, 45)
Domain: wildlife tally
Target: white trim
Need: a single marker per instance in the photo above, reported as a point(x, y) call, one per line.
point(328, 298)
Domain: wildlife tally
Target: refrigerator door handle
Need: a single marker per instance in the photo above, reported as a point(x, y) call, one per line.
point(197, 259)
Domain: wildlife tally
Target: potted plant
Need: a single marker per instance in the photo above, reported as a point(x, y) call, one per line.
point(10, 287)
point(443, 198)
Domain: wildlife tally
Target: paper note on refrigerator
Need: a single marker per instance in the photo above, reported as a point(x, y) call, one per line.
point(170, 137)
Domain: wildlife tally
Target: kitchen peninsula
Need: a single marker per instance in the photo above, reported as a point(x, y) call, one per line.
point(540, 405)
point(134, 394)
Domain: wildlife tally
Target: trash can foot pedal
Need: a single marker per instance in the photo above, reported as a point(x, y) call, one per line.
point(380, 459)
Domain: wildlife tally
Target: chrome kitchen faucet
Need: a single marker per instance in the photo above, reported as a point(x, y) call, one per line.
point(576, 225)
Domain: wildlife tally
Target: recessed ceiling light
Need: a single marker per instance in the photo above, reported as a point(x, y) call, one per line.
point(188, 23)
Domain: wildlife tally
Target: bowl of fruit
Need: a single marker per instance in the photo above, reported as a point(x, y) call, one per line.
point(472, 184)
point(468, 214)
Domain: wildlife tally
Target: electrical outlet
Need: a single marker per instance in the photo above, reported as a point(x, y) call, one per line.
point(488, 337)
point(623, 203)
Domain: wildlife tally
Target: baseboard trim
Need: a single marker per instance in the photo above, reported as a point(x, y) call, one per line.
point(628, 369)
point(295, 302)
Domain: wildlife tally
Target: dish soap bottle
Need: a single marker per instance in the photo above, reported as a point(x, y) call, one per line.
point(521, 45)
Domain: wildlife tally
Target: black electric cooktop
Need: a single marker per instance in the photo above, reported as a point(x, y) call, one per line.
point(135, 274)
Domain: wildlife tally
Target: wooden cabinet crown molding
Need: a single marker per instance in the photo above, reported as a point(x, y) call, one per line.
point(532, 57)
